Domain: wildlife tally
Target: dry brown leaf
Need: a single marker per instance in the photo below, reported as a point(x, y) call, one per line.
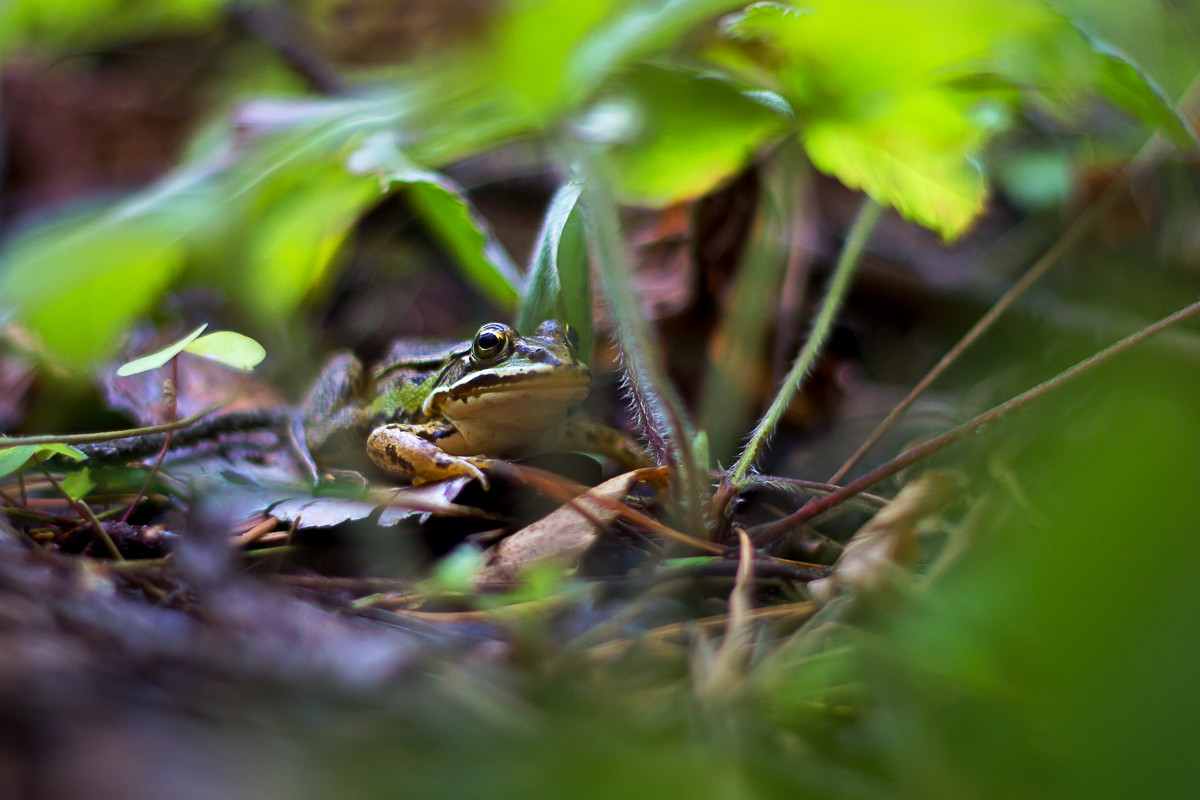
point(887, 545)
point(562, 535)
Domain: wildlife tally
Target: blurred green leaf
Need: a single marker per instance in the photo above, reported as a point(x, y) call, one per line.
point(1034, 179)
point(868, 83)
point(229, 348)
point(455, 572)
point(1127, 86)
point(76, 23)
point(78, 483)
point(160, 357)
point(544, 58)
point(692, 134)
point(941, 190)
point(59, 449)
point(559, 278)
point(79, 283)
point(294, 230)
point(444, 207)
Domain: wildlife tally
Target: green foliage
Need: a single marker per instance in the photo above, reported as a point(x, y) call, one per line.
point(559, 284)
point(229, 348)
point(692, 133)
point(445, 209)
point(899, 99)
point(81, 282)
point(75, 23)
point(159, 357)
point(896, 98)
point(14, 458)
point(1032, 661)
point(78, 483)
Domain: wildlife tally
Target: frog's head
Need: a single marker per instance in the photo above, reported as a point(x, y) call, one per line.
point(505, 386)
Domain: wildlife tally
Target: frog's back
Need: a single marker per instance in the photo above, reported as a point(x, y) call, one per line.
point(405, 375)
point(418, 354)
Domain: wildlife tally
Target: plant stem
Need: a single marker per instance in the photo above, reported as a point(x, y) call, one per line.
point(835, 293)
point(659, 409)
point(172, 393)
point(815, 508)
point(108, 436)
point(84, 511)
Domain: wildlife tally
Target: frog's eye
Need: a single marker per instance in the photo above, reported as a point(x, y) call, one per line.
point(491, 342)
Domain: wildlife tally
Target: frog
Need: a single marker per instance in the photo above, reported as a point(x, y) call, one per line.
point(431, 411)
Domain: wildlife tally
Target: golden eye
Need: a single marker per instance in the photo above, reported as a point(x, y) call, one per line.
point(491, 342)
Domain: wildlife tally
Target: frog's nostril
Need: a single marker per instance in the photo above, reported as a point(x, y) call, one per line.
point(544, 356)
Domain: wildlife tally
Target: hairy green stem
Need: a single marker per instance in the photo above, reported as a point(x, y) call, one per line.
point(660, 411)
point(839, 284)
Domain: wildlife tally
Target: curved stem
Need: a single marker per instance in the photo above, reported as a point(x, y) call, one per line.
point(815, 508)
point(839, 284)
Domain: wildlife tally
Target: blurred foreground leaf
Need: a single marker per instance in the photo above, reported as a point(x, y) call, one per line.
point(692, 133)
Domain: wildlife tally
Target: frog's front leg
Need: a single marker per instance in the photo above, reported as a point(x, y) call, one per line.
point(331, 419)
point(411, 450)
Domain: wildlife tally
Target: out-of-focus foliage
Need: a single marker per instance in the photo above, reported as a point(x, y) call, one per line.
point(75, 23)
point(1049, 651)
point(687, 134)
point(899, 99)
point(894, 98)
point(1043, 656)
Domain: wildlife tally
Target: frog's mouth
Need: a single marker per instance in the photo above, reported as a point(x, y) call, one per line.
point(553, 387)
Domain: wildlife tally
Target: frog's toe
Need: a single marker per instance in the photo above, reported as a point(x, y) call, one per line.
point(446, 467)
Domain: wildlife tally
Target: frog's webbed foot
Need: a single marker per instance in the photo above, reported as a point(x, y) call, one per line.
point(403, 448)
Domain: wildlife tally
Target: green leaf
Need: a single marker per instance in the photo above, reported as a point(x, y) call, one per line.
point(13, 458)
point(941, 190)
point(60, 449)
point(559, 281)
point(78, 284)
point(78, 483)
point(544, 58)
point(229, 348)
point(298, 222)
point(443, 206)
point(1126, 85)
point(872, 83)
point(455, 572)
point(694, 133)
point(78, 24)
point(159, 357)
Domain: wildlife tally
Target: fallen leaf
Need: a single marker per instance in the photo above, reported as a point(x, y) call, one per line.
point(562, 535)
point(887, 545)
